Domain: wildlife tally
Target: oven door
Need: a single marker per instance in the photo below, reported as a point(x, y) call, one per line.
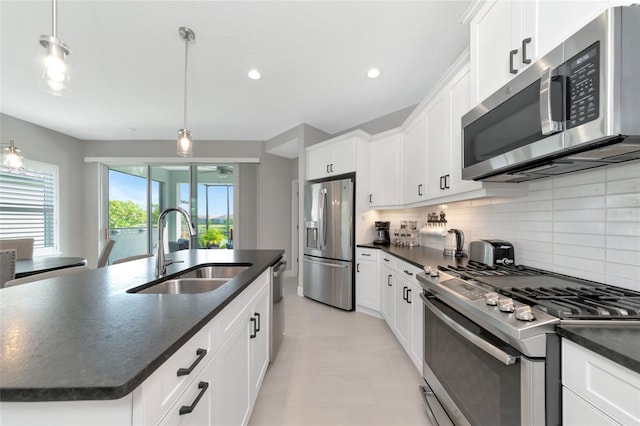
point(478, 379)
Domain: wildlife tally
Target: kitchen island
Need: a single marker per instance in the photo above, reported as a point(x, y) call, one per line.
point(83, 337)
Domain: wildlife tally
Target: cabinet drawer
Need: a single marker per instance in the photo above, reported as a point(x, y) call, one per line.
point(163, 388)
point(195, 403)
point(610, 387)
point(387, 260)
point(578, 412)
point(367, 254)
point(407, 270)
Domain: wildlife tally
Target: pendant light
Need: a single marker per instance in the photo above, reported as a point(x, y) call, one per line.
point(55, 74)
point(12, 159)
point(185, 144)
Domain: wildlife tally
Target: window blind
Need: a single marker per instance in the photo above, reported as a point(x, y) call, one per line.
point(27, 204)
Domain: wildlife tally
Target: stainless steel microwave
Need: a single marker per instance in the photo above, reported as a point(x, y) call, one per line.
point(576, 108)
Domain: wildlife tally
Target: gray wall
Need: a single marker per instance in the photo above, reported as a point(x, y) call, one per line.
point(45, 145)
point(382, 124)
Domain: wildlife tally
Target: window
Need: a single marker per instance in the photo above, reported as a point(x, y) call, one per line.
point(29, 205)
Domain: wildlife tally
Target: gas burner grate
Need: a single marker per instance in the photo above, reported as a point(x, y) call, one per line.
point(597, 302)
point(480, 269)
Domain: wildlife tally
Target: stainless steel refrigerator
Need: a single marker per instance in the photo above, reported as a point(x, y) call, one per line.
point(328, 243)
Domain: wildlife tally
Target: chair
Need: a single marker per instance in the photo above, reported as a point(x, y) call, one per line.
point(23, 247)
point(45, 275)
point(130, 258)
point(106, 251)
point(7, 266)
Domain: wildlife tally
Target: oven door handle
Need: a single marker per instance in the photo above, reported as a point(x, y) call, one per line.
point(495, 352)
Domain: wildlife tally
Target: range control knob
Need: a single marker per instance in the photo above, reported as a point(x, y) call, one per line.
point(505, 304)
point(491, 298)
point(524, 313)
point(434, 272)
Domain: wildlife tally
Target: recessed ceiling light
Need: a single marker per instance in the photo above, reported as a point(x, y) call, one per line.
point(254, 75)
point(373, 73)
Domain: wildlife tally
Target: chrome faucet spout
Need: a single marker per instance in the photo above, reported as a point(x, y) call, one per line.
point(161, 261)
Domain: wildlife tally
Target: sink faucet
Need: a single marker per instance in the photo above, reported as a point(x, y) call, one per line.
point(161, 262)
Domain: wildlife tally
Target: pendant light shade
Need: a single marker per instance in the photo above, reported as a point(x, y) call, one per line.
point(185, 143)
point(12, 159)
point(55, 69)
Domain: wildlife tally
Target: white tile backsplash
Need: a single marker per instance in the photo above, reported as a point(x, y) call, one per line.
point(584, 224)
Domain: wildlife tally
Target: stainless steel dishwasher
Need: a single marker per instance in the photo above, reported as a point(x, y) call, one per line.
point(277, 308)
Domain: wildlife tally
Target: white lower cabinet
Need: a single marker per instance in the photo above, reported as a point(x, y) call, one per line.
point(367, 286)
point(402, 307)
point(194, 406)
point(596, 390)
point(258, 342)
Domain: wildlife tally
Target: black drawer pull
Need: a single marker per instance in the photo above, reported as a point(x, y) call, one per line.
point(185, 371)
point(386, 260)
point(258, 326)
point(408, 294)
point(366, 254)
point(254, 333)
point(186, 409)
point(408, 273)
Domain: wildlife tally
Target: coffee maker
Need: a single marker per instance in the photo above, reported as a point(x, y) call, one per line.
point(382, 233)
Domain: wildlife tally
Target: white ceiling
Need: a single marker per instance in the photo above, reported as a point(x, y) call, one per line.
point(128, 62)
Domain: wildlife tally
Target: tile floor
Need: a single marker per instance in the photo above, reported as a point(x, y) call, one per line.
point(337, 368)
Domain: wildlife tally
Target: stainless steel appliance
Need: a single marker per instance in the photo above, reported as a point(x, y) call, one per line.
point(491, 355)
point(277, 307)
point(328, 243)
point(382, 233)
point(573, 109)
point(454, 243)
point(491, 252)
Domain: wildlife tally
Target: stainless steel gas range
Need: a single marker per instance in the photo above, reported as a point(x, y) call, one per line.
point(491, 354)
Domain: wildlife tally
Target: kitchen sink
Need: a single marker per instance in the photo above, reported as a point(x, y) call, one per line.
point(199, 280)
point(185, 286)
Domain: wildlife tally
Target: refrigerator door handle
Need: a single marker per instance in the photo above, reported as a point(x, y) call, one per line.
point(332, 265)
point(323, 215)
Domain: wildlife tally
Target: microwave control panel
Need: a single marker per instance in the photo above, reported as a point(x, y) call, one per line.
point(584, 86)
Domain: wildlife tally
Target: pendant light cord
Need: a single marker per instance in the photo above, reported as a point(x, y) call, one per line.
point(54, 19)
point(186, 56)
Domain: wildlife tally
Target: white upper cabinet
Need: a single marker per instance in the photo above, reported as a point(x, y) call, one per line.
point(507, 36)
point(334, 157)
point(385, 170)
point(438, 145)
point(415, 158)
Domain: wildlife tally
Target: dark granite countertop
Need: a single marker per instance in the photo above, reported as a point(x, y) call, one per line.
point(420, 256)
point(619, 343)
point(83, 337)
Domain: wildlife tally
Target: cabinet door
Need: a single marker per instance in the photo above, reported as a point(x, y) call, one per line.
point(194, 406)
point(318, 161)
point(438, 146)
point(343, 157)
point(259, 343)
point(578, 412)
point(367, 289)
point(231, 403)
point(385, 177)
point(402, 312)
point(459, 104)
point(417, 325)
point(492, 32)
point(387, 279)
point(415, 156)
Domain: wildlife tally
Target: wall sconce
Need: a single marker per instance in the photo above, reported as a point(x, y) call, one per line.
point(55, 74)
point(12, 159)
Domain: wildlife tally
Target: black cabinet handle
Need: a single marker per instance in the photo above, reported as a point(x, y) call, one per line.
point(526, 41)
point(385, 259)
point(370, 196)
point(366, 254)
point(389, 281)
point(254, 333)
point(186, 409)
point(511, 55)
point(331, 167)
point(408, 273)
point(328, 169)
point(200, 355)
point(257, 314)
point(442, 182)
point(420, 190)
point(404, 293)
point(408, 294)
point(357, 267)
point(447, 181)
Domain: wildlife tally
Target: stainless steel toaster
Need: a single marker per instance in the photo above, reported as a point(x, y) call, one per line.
point(491, 252)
